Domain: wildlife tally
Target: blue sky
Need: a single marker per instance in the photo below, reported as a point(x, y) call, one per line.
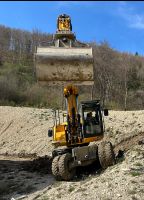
point(121, 23)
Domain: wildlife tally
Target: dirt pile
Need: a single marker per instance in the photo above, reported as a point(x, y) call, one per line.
point(24, 130)
point(40, 165)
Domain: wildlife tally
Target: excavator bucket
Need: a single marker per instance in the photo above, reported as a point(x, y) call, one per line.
point(63, 65)
point(66, 60)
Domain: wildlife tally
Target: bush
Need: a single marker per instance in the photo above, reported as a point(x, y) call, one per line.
point(40, 96)
point(8, 88)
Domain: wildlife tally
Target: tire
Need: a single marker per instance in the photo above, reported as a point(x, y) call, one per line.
point(55, 168)
point(64, 171)
point(106, 154)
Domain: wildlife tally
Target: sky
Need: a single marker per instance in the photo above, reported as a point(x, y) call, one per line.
point(120, 23)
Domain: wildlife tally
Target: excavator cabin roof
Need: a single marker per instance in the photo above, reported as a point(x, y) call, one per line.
point(90, 104)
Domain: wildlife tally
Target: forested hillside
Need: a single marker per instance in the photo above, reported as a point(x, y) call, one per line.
point(119, 77)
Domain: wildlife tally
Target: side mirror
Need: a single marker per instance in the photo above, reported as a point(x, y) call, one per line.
point(106, 112)
point(50, 133)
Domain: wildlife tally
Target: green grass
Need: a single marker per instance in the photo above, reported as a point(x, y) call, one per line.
point(71, 189)
point(134, 198)
point(138, 164)
point(81, 190)
point(58, 196)
point(132, 191)
point(135, 173)
point(44, 198)
point(141, 190)
point(133, 182)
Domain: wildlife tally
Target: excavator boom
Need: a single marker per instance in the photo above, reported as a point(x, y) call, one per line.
point(71, 94)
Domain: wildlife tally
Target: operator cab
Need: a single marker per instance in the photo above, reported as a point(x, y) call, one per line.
point(64, 23)
point(92, 120)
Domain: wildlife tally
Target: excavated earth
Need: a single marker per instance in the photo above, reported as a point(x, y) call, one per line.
point(25, 159)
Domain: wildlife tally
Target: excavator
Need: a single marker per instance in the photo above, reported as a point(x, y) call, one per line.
point(78, 140)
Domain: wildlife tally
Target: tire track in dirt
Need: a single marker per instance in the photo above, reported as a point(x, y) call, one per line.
point(7, 127)
point(129, 142)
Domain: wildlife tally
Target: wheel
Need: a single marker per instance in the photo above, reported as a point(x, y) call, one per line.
point(64, 171)
point(106, 154)
point(55, 168)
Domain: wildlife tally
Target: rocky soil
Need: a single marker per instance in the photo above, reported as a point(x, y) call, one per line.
point(125, 180)
point(23, 137)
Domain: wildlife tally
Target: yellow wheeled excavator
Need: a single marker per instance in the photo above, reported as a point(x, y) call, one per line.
point(70, 63)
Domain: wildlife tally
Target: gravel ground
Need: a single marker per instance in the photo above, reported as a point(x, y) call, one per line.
point(24, 131)
point(125, 180)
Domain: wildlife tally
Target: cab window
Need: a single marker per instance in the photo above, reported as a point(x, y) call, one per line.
point(92, 123)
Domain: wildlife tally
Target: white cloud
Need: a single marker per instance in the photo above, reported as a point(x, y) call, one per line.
point(128, 13)
point(137, 21)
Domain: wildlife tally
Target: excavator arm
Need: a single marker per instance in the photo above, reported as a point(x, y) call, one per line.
point(73, 131)
point(71, 95)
